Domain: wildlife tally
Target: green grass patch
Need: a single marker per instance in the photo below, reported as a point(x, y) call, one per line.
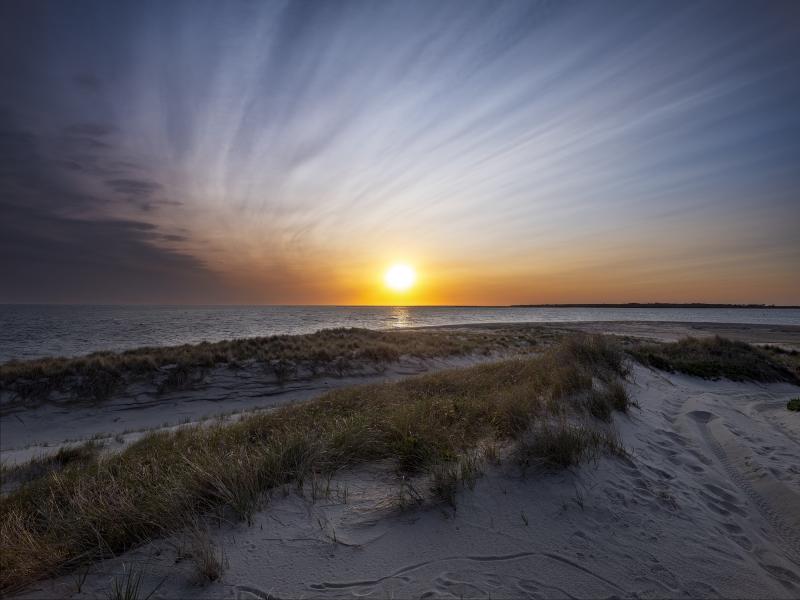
point(714, 358)
point(793, 404)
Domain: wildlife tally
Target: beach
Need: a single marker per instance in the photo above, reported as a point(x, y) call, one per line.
point(399, 300)
point(692, 488)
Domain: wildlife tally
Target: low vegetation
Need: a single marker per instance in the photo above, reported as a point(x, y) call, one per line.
point(431, 424)
point(793, 404)
point(788, 358)
point(449, 477)
point(332, 351)
point(601, 402)
point(716, 357)
point(128, 586)
point(563, 444)
point(208, 560)
point(38, 467)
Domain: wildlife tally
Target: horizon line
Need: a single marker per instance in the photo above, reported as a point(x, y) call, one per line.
point(543, 305)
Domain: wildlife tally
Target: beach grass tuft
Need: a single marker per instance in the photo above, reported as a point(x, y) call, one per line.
point(562, 444)
point(128, 586)
point(209, 560)
point(448, 478)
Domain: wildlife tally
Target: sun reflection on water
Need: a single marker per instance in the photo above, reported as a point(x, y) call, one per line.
point(400, 316)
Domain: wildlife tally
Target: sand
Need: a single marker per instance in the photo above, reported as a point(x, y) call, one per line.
point(706, 505)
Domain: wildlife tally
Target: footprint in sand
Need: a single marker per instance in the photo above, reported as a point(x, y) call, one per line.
point(702, 416)
point(788, 579)
point(720, 493)
point(246, 592)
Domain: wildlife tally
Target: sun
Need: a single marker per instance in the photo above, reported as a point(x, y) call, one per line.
point(400, 277)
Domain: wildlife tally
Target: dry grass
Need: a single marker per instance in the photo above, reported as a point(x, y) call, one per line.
point(611, 396)
point(40, 466)
point(209, 561)
point(716, 357)
point(787, 358)
point(128, 586)
point(448, 478)
point(332, 351)
point(562, 444)
point(168, 480)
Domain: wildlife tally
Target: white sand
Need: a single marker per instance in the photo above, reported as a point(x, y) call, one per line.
point(708, 505)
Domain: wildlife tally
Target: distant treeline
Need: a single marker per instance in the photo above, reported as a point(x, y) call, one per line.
point(651, 305)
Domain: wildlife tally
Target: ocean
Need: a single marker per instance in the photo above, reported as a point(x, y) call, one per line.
point(33, 331)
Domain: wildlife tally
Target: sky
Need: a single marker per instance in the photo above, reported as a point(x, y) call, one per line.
point(290, 152)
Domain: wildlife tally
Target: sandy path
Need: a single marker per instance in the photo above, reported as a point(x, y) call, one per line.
point(707, 505)
point(28, 432)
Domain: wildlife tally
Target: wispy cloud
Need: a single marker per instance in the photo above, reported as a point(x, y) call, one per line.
point(282, 151)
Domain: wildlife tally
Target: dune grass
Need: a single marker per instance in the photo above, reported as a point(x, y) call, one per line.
point(39, 466)
point(332, 351)
point(168, 480)
point(714, 358)
point(790, 359)
point(560, 446)
point(128, 586)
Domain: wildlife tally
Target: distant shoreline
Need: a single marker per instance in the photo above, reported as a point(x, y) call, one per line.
point(655, 305)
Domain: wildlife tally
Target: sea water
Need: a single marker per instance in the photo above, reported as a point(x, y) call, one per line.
point(31, 331)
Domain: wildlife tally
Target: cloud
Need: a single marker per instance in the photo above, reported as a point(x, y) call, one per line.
point(94, 130)
point(88, 82)
point(137, 191)
point(56, 244)
point(95, 261)
point(287, 144)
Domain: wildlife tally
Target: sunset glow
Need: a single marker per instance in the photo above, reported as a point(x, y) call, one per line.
point(286, 153)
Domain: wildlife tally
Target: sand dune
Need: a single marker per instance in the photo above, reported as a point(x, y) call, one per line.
point(707, 504)
point(27, 432)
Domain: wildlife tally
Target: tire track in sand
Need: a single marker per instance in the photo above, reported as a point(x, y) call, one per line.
point(784, 531)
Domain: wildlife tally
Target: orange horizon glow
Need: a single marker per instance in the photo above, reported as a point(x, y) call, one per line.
point(451, 284)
